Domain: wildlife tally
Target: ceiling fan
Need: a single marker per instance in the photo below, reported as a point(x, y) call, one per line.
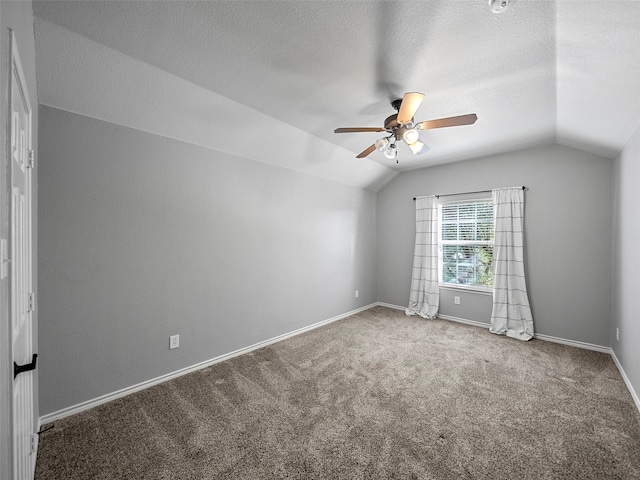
point(400, 126)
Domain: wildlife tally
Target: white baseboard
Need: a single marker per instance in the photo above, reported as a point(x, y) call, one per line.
point(390, 305)
point(573, 343)
point(548, 338)
point(473, 323)
point(65, 412)
point(633, 393)
point(444, 317)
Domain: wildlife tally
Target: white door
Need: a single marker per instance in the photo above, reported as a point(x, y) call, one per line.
point(21, 296)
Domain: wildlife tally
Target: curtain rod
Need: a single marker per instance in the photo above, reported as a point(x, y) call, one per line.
point(465, 193)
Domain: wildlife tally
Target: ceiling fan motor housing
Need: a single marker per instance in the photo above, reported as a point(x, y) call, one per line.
point(391, 122)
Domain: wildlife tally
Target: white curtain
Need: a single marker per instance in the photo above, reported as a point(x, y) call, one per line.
point(511, 313)
point(424, 297)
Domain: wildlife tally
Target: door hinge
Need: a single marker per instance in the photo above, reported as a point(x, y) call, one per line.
point(34, 442)
point(32, 302)
point(31, 160)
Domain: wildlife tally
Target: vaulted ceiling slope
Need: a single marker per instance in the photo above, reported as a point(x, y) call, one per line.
point(271, 80)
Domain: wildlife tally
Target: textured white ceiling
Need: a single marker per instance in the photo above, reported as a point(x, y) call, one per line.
point(287, 73)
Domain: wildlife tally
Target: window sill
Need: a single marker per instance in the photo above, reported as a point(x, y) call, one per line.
point(466, 288)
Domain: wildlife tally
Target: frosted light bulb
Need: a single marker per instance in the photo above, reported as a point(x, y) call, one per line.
point(418, 148)
point(382, 143)
point(390, 152)
point(411, 136)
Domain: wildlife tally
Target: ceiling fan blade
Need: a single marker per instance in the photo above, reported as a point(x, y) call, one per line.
point(410, 103)
point(468, 119)
point(358, 129)
point(366, 152)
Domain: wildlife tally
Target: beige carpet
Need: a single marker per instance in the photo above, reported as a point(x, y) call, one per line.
point(375, 396)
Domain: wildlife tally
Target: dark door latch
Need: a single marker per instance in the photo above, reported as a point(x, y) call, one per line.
point(18, 369)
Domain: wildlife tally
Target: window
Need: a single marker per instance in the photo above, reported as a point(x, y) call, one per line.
point(466, 243)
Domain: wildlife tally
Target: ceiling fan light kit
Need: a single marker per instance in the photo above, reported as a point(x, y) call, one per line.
point(410, 136)
point(400, 126)
point(391, 152)
point(381, 143)
point(418, 148)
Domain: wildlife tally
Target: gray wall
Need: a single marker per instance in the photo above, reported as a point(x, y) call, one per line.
point(626, 261)
point(17, 16)
point(567, 233)
point(142, 237)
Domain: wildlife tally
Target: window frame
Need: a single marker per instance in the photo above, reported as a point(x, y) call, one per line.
point(461, 286)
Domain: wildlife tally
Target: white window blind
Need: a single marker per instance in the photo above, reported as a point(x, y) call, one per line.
point(466, 243)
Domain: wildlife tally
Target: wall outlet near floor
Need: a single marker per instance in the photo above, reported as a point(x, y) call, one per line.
point(357, 293)
point(174, 341)
point(617, 333)
point(456, 300)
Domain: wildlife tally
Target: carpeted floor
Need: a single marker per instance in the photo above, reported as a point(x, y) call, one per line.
point(375, 396)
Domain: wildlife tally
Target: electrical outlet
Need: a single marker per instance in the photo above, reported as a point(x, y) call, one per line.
point(174, 341)
point(357, 293)
point(617, 334)
point(456, 300)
